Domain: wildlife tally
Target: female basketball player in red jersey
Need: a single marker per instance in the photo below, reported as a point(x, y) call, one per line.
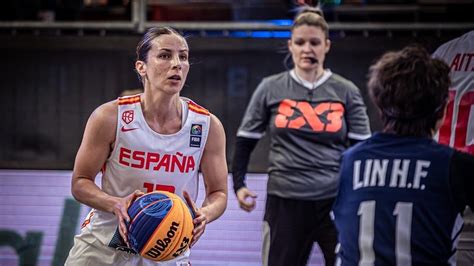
point(155, 140)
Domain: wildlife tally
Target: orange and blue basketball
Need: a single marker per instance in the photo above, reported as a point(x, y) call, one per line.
point(160, 227)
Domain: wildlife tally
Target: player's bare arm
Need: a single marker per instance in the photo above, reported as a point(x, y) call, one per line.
point(99, 135)
point(214, 170)
point(96, 146)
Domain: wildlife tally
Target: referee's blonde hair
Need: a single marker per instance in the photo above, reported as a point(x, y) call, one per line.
point(311, 16)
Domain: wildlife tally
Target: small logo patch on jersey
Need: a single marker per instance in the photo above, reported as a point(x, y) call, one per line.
point(127, 116)
point(124, 129)
point(196, 129)
point(195, 141)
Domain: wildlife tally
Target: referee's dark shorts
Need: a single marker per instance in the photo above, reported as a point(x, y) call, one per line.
point(292, 226)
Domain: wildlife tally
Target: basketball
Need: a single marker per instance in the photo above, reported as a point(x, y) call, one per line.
point(160, 227)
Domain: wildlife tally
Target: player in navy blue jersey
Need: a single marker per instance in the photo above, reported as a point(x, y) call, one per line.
point(401, 194)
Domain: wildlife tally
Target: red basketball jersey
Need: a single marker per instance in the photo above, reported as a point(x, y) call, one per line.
point(458, 128)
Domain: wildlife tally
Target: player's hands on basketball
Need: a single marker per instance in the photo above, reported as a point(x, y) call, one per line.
point(200, 219)
point(246, 199)
point(120, 211)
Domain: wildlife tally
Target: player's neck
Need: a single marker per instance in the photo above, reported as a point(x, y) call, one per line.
point(161, 108)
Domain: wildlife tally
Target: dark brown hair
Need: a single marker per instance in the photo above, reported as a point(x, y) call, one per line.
point(410, 89)
point(311, 16)
point(145, 43)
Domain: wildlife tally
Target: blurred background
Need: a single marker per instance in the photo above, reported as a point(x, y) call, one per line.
point(63, 58)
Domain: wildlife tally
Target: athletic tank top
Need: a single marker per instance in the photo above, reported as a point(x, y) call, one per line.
point(146, 160)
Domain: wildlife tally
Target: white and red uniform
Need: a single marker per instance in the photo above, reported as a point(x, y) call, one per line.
point(458, 127)
point(145, 160)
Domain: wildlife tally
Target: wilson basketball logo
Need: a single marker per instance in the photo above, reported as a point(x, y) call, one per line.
point(127, 116)
point(324, 117)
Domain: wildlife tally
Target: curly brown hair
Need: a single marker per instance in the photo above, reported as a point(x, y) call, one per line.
point(411, 91)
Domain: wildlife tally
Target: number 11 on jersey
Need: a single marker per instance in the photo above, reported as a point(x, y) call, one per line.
point(403, 212)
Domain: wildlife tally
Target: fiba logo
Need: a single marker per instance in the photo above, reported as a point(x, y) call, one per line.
point(195, 138)
point(127, 116)
point(196, 129)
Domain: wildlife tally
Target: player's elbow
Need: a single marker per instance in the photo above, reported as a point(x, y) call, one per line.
point(77, 188)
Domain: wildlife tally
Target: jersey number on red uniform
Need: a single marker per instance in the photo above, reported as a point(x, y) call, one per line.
point(460, 134)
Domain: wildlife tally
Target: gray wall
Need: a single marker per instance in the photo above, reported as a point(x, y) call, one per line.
point(50, 84)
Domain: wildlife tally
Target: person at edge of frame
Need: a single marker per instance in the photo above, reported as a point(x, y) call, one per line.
point(457, 130)
point(401, 194)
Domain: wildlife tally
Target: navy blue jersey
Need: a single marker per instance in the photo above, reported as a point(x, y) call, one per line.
point(395, 204)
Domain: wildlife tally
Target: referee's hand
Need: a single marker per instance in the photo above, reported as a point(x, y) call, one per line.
point(246, 199)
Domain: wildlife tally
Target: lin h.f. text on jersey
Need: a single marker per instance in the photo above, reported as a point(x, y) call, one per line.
point(395, 173)
point(177, 162)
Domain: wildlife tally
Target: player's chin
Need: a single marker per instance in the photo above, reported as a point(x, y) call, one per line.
point(173, 88)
